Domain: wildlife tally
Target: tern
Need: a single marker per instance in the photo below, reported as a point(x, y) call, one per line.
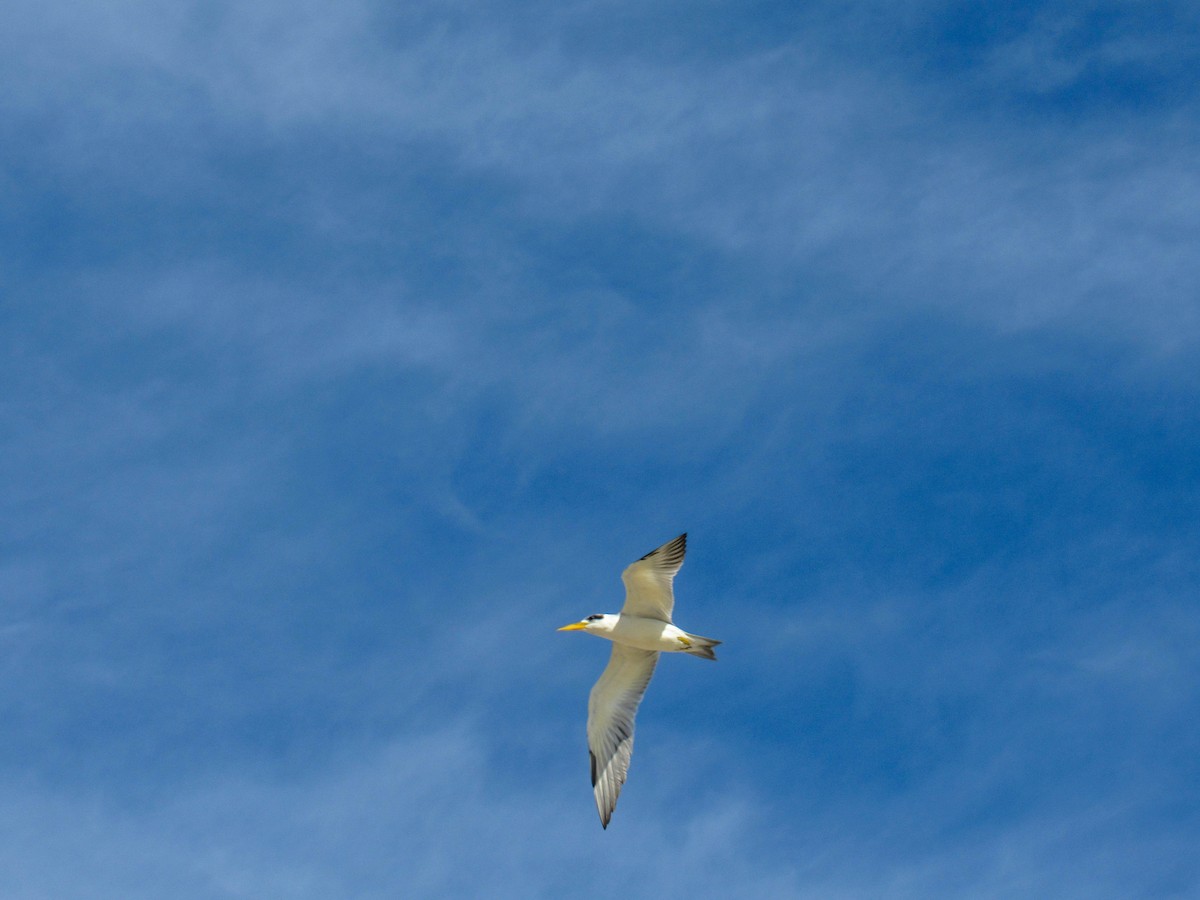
point(639, 632)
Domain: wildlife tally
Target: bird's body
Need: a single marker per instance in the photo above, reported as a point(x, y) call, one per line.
point(641, 631)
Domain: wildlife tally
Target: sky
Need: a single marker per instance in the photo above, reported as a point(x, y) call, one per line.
point(348, 350)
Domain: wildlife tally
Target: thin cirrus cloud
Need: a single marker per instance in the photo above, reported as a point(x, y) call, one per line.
point(349, 351)
point(774, 154)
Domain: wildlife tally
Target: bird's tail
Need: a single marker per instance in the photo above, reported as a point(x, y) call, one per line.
point(702, 647)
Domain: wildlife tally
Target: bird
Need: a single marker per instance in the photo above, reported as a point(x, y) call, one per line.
point(640, 632)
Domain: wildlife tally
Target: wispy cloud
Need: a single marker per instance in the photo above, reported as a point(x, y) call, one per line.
point(349, 351)
point(816, 168)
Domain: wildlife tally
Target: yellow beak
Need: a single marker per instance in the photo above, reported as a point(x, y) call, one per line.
point(574, 626)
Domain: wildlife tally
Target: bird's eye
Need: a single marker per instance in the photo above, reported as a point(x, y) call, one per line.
point(594, 618)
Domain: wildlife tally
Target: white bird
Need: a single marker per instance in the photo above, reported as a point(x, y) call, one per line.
point(641, 631)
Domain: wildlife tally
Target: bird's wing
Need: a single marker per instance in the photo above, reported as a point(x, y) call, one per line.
point(612, 706)
point(648, 590)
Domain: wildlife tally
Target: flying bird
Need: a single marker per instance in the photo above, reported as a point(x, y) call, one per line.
point(639, 632)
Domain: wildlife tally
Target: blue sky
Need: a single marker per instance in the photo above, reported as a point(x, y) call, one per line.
point(350, 349)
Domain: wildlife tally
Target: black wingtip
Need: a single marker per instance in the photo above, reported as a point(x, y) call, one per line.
point(673, 550)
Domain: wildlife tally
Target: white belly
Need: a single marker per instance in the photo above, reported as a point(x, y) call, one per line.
point(648, 634)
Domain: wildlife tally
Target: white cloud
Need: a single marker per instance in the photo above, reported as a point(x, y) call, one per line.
point(159, 459)
point(421, 814)
point(808, 167)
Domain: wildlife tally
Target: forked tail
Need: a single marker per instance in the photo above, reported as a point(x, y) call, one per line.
point(702, 647)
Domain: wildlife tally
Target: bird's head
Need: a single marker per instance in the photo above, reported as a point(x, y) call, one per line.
point(595, 623)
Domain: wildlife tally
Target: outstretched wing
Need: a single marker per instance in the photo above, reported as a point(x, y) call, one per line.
point(612, 706)
point(648, 582)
